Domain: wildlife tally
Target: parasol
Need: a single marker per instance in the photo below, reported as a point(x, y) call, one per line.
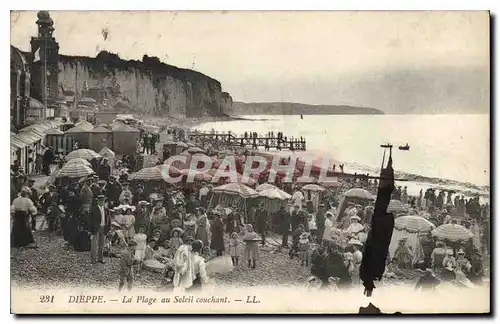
point(396, 206)
point(413, 223)
point(182, 144)
point(152, 173)
point(201, 176)
point(359, 193)
point(265, 186)
point(85, 154)
point(75, 170)
point(452, 232)
point(80, 161)
point(195, 149)
point(236, 189)
point(313, 187)
point(275, 193)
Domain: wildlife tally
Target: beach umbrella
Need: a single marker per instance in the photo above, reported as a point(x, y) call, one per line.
point(182, 144)
point(79, 160)
point(275, 193)
point(452, 232)
point(265, 186)
point(396, 206)
point(75, 170)
point(85, 154)
point(201, 176)
point(313, 187)
point(359, 193)
point(237, 189)
point(413, 223)
point(152, 173)
point(195, 149)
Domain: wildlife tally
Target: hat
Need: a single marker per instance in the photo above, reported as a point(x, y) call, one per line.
point(95, 176)
point(101, 197)
point(114, 223)
point(355, 217)
point(52, 186)
point(461, 251)
point(179, 230)
point(358, 205)
point(304, 235)
point(350, 203)
point(143, 203)
point(31, 181)
point(101, 182)
point(355, 242)
point(449, 252)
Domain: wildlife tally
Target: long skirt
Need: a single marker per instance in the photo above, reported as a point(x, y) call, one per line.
point(197, 284)
point(202, 235)
point(252, 250)
point(21, 234)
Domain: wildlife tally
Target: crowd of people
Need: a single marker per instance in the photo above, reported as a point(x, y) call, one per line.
point(161, 227)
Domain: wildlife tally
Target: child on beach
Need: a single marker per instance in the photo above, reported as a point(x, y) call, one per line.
point(304, 249)
point(129, 223)
point(234, 248)
point(251, 246)
point(126, 262)
point(140, 250)
point(175, 241)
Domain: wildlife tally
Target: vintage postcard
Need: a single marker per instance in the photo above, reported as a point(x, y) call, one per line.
point(246, 162)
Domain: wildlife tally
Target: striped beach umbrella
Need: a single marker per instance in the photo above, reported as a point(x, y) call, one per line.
point(452, 232)
point(264, 186)
point(359, 193)
point(151, 173)
point(275, 193)
point(413, 223)
point(80, 161)
point(75, 170)
point(85, 154)
point(396, 206)
point(237, 189)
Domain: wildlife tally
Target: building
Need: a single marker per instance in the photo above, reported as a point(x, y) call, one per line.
point(44, 63)
point(19, 87)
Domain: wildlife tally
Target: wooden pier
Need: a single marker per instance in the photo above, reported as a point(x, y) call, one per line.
point(253, 142)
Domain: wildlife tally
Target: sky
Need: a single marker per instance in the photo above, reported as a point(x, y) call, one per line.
point(400, 62)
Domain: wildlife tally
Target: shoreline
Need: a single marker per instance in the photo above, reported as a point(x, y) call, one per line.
point(190, 123)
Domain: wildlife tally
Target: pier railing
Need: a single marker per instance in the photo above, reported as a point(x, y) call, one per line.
point(253, 141)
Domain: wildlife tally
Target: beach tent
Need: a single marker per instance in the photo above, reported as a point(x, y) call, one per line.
point(125, 139)
point(232, 193)
point(77, 133)
point(85, 125)
point(100, 137)
point(55, 138)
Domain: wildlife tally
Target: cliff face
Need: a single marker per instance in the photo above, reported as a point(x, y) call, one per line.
point(147, 86)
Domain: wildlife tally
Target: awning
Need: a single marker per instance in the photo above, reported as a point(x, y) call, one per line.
point(36, 131)
point(29, 137)
point(16, 142)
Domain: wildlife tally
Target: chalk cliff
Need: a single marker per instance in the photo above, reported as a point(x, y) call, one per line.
point(148, 86)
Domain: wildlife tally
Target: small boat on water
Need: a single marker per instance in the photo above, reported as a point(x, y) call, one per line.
point(405, 148)
point(301, 116)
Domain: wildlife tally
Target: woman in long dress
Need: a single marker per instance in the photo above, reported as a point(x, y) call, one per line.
point(201, 230)
point(217, 230)
point(22, 207)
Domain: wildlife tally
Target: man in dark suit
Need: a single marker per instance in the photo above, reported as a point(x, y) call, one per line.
point(98, 225)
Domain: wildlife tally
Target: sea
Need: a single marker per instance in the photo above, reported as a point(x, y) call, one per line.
point(446, 151)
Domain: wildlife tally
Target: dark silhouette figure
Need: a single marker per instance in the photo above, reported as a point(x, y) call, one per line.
point(382, 224)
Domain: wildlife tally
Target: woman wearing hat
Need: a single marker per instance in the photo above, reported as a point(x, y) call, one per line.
point(355, 227)
point(142, 216)
point(22, 207)
point(159, 216)
point(403, 254)
point(201, 228)
point(217, 230)
point(357, 257)
point(449, 264)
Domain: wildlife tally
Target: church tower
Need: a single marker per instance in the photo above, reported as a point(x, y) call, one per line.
point(45, 60)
